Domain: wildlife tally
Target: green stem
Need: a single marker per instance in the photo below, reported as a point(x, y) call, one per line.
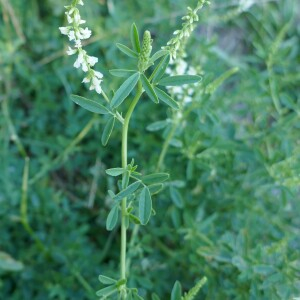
point(124, 165)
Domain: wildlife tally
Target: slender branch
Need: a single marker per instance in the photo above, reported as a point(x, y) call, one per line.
point(124, 165)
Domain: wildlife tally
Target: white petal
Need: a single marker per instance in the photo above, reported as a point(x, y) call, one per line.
point(64, 30)
point(80, 2)
point(98, 74)
point(71, 51)
point(98, 89)
point(86, 33)
point(77, 63)
point(85, 67)
point(86, 80)
point(77, 17)
point(92, 60)
point(71, 35)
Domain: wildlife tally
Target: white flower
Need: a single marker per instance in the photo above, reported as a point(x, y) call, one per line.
point(64, 30)
point(96, 85)
point(71, 51)
point(86, 80)
point(92, 60)
point(85, 33)
point(78, 44)
point(79, 60)
point(98, 74)
point(69, 17)
point(71, 35)
point(77, 34)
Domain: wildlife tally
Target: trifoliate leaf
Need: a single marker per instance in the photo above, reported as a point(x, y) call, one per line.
point(112, 218)
point(121, 72)
point(127, 51)
point(124, 90)
point(115, 171)
point(166, 98)
point(128, 191)
point(145, 205)
point(107, 130)
point(90, 105)
point(149, 89)
point(160, 69)
point(135, 40)
point(155, 178)
point(179, 80)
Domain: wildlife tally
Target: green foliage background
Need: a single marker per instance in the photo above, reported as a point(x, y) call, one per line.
point(237, 165)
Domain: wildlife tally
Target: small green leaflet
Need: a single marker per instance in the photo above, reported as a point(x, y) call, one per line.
point(107, 130)
point(128, 191)
point(121, 72)
point(160, 69)
point(125, 180)
point(112, 218)
point(157, 125)
point(115, 171)
point(166, 98)
point(158, 55)
point(107, 280)
point(134, 219)
point(107, 291)
point(145, 205)
point(176, 197)
point(176, 291)
point(149, 88)
point(135, 40)
point(155, 178)
point(179, 80)
point(90, 105)
point(127, 51)
point(155, 188)
point(124, 90)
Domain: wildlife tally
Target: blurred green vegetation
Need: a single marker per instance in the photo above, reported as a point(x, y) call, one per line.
point(235, 168)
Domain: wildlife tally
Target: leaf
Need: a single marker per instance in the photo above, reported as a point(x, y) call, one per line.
point(160, 69)
point(115, 171)
point(107, 130)
point(166, 98)
point(121, 72)
point(176, 197)
point(134, 219)
point(135, 40)
point(90, 105)
point(128, 191)
point(158, 55)
point(179, 80)
point(155, 188)
point(7, 263)
point(125, 180)
point(127, 51)
point(145, 205)
point(176, 291)
point(149, 88)
point(157, 125)
point(124, 90)
point(106, 280)
point(107, 291)
point(155, 178)
point(112, 218)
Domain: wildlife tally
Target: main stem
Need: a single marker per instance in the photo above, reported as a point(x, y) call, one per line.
point(124, 165)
